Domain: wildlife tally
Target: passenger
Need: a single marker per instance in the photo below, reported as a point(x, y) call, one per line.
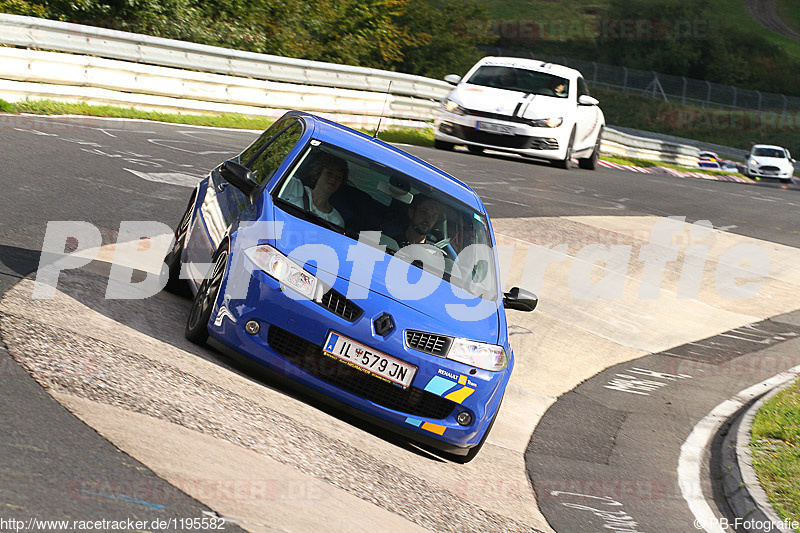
point(328, 173)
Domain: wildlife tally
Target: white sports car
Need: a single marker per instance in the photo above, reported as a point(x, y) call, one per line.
point(767, 161)
point(523, 106)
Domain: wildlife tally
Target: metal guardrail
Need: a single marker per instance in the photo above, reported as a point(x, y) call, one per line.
point(114, 67)
point(43, 34)
point(617, 143)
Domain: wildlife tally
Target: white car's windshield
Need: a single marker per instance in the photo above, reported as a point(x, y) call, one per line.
point(350, 194)
point(769, 152)
point(523, 80)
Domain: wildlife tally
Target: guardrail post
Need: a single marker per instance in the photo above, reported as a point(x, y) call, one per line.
point(594, 75)
point(625, 80)
point(734, 95)
point(708, 95)
point(683, 92)
point(785, 103)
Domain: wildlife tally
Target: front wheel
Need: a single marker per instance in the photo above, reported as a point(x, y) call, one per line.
point(475, 149)
point(786, 180)
point(564, 163)
point(203, 304)
point(175, 284)
point(590, 163)
point(443, 145)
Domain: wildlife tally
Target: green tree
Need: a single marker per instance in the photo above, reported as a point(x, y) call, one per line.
point(446, 40)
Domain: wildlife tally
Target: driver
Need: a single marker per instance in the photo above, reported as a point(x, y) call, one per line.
point(423, 213)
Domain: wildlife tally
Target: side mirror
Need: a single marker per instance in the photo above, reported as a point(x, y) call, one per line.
point(585, 99)
point(239, 176)
point(520, 300)
point(452, 79)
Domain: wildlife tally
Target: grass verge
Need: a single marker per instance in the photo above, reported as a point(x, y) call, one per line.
point(775, 443)
point(220, 120)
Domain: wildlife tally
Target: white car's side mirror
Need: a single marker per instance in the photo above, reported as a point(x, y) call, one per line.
point(452, 79)
point(585, 99)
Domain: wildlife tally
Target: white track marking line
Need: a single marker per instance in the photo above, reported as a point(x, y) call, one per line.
point(695, 446)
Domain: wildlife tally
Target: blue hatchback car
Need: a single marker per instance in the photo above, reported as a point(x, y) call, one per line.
point(357, 270)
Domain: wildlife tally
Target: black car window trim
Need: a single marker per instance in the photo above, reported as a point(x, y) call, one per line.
point(272, 139)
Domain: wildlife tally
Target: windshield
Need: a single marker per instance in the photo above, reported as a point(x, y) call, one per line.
point(423, 226)
point(769, 152)
point(523, 80)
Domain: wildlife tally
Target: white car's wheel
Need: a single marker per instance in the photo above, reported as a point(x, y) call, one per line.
point(443, 145)
point(590, 163)
point(564, 163)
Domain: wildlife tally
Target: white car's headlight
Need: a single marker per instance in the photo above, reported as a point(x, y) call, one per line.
point(453, 107)
point(547, 122)
point(478, 354)
point(280, 267)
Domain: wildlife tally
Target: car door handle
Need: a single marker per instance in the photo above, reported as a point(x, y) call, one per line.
point(221, 186)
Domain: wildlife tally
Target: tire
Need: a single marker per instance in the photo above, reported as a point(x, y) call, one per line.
point(443, 145)
point(564, 163)
point(203, 303)
point(590, 163)
point(786, 180)
point(475, 149)
point(175, 284)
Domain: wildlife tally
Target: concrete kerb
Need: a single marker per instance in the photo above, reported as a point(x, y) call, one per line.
point(741, 488)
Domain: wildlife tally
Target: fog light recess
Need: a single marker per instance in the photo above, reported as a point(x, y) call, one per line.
point(252, 327)
point(464, 418)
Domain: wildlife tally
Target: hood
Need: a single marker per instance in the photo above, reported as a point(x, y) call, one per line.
point(505, 102)
point(433, 315)
point(774, 161)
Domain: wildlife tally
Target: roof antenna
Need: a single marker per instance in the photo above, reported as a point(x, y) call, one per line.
point(388, 90)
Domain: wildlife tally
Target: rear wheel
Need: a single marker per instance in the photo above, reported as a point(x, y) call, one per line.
point(443, 145)
point(475, 149)
point(590, 163)
point(203, 304)
point(564, 163)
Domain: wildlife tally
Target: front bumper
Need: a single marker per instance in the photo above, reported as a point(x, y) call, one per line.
point(290, 343)
point(547, 143)
point(758, 172)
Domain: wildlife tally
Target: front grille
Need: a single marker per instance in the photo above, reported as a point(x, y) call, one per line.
point(497, 116)
point(341, 306)
point(428, 342)
point(492, 139)
point(309, 358)
point(768, 169)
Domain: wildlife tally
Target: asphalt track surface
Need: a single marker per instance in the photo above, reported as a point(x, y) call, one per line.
point(80, 169)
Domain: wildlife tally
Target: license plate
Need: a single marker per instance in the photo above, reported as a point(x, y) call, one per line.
point(364, 358)
point(502, 129)
point(769, 172)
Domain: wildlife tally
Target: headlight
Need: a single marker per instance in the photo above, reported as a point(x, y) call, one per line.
point(453, 107)
point(547, 122)
point(280, 267)
point(477, 354)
